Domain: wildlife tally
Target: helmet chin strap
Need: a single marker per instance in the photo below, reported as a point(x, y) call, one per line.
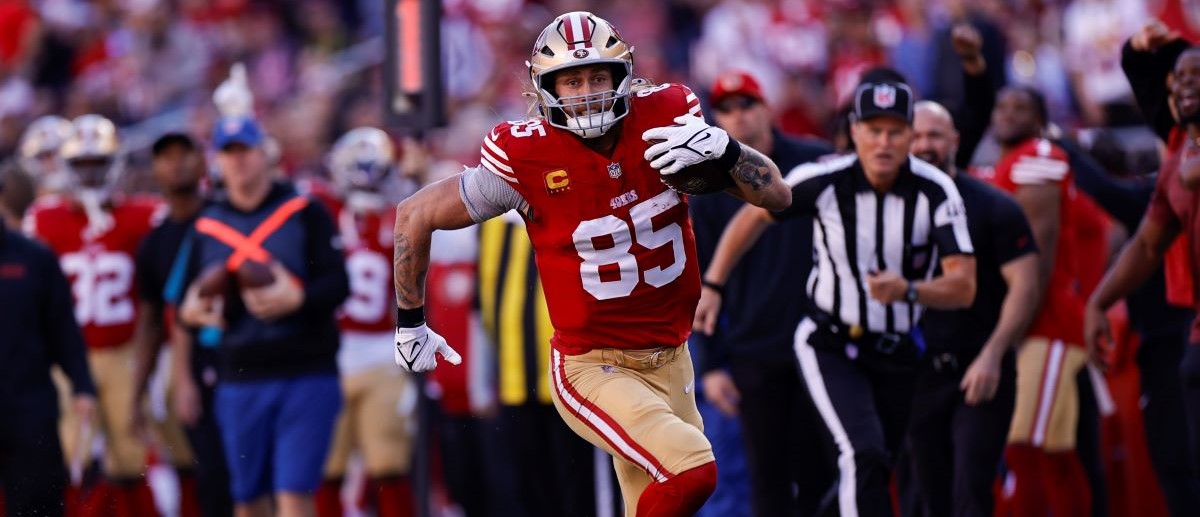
point(592, 126)
point(100, 221)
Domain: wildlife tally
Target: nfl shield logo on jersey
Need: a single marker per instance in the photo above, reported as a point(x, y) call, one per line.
point(885, 96)
point(614, 170)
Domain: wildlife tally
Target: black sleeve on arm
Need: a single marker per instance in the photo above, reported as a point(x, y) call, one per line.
point(1124, 200)
point(1147, 74)
point(976, 115)
point(64, 340)
point(150, 289)
point(1011, 235)
point(327, 286)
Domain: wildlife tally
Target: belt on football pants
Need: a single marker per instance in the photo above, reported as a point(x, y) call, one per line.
point(639, 359)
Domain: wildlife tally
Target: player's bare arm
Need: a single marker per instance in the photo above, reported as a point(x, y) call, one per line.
point(1133, 266)
point(982, 378)
point(758, 181)
point(435, 207)
point(1041, 205)
point(739, 236)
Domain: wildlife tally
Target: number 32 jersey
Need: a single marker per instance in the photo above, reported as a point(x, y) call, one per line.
point(614, 246)
point(100, 268)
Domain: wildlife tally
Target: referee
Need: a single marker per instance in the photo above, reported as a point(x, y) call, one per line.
point(882, 222)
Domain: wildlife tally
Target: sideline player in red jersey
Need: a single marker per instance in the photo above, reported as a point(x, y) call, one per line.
point(373, 420)
point(614, 248)
point(95, 232)
point(1041, 441)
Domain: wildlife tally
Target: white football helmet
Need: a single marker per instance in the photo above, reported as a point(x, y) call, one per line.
point(361, 165)
point(91, 154)
point(577, 39)
point(37, 152)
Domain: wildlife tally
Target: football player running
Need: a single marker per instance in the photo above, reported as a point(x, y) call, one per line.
point(378, 398)
point(95, 232)
point(613, 244)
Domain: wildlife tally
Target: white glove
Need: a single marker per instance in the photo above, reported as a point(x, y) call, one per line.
point(691, 142)
point(233, 97)
point(416, 348)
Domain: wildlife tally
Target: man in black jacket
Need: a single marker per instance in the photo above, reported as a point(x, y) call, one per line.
point(748, 368)
point(965, 392)
point(39, 329)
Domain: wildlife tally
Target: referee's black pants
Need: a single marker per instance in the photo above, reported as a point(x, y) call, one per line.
point(865, 409)
point(788, 477)
point(956, 448)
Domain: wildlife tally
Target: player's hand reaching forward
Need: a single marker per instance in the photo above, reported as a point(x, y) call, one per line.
point(417, 349)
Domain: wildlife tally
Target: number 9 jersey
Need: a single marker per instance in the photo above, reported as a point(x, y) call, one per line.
point(614, 246)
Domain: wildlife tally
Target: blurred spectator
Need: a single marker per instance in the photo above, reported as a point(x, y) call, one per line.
point(1093, 32)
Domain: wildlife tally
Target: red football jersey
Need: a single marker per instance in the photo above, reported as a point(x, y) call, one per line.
point(614, 245)
point(100, 268)
point(1037, 162)
point(367, 240)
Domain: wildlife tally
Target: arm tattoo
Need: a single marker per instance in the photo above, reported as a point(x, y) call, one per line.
point(408, 294)
point(752, 169)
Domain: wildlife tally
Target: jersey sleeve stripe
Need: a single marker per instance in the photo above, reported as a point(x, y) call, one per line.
point(691, 97)
point(489, 166)
point(495, 149)
point(694, 110)
point(1034, 173)
point(499, 164)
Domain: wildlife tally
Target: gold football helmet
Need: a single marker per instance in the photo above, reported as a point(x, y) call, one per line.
point(91, 153)
point(37, 152)
point(577, 39)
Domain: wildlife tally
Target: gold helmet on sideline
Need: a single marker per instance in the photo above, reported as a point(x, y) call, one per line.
point(91, 153)
point(37, 152)
point(576, 39)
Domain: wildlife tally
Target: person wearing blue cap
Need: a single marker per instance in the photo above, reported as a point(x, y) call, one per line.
point(277, 394)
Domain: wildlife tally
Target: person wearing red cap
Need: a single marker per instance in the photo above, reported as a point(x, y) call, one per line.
point(747, 366)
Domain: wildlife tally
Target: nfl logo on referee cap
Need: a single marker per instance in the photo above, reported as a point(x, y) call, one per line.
point(885, 95)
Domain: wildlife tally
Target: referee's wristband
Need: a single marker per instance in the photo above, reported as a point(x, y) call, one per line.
point(410, 318)
point(720, 289)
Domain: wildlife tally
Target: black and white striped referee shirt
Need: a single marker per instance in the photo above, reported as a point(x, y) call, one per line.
point(857, 231)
